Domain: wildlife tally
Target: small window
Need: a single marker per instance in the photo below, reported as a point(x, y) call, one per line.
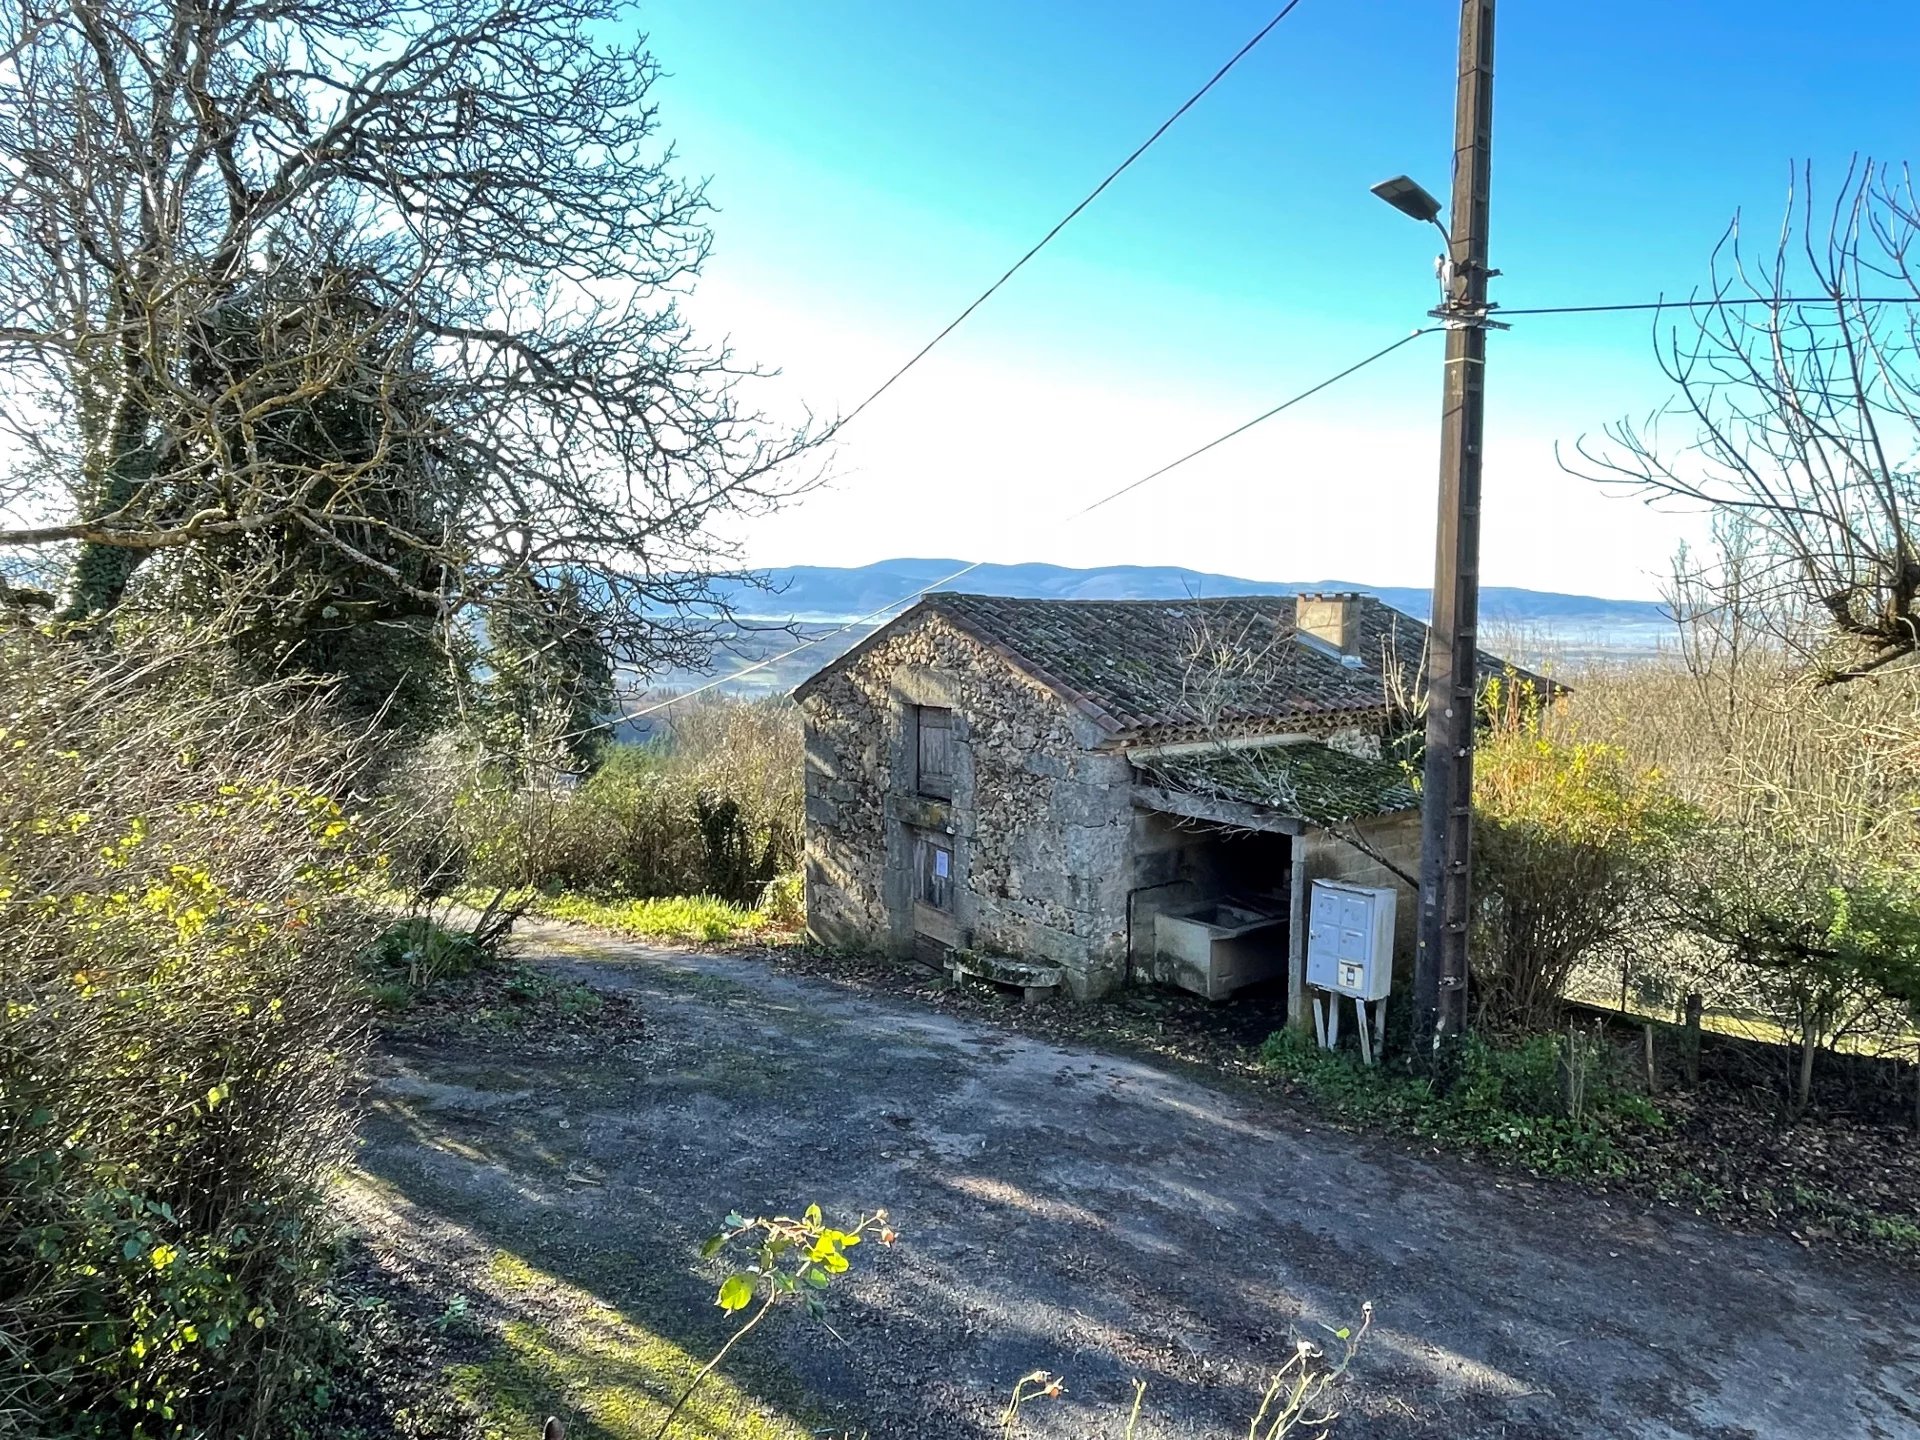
point(934, 748)
point(933, 863)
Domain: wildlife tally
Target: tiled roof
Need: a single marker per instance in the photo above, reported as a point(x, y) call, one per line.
point(1135, 664)
point(1312, 781)
point(1142, 668)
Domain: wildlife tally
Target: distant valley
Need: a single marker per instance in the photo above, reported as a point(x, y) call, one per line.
point(784, 608)
point(826, 594)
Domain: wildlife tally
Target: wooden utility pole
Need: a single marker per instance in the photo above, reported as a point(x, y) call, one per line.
point(1446, 821)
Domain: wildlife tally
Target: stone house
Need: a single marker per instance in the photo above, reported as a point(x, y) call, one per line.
point(1041, 779)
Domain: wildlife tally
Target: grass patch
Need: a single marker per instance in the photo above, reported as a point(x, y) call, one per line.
point(1507, 1101)
point(686, 919)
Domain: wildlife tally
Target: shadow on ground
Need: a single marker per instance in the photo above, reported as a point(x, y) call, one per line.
point(1063, 1210)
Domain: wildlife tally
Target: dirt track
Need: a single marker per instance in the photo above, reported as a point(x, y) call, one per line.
point(1068, 1210)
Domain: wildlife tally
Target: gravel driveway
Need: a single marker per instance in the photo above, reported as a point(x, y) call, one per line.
point(1068, 1210)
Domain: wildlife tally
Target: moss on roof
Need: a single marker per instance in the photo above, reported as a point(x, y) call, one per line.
point(1304, 778)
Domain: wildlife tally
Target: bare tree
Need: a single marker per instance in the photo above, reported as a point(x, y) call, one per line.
point(1799, 412)
point(355, 313)
point(1795, 898)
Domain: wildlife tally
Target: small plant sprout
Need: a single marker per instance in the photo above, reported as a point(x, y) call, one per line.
point(1294, 1402)
point(454, 1313)
point(787, 1259)
point(1296, 1394)
point(1039, 1385)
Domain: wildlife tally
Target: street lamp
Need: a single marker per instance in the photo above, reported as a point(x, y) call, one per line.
point(1411, 199)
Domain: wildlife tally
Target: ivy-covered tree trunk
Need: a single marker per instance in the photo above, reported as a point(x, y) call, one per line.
point(100, 573)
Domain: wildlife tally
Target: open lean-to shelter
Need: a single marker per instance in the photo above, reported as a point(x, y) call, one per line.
point(1080, 793)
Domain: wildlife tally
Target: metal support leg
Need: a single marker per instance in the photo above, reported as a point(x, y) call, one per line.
point(1366, 1031)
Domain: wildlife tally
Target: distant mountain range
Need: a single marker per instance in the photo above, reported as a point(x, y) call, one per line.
point(820, 603)
point(833, 594)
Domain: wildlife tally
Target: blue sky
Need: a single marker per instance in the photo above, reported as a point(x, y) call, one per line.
point(876, 164)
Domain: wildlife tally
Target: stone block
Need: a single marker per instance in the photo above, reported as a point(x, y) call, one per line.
point(1097, 895)
point(1039, 882)
point(1059, 947)
point(1078, 803)
point(1097, 851)
point(1037, 847)
point(920, 812)
point(1048, 764)
point(1108, 770)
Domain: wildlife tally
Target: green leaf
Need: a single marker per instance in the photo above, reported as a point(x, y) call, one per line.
point(736, 1293)
point(817, 1277)
point(710, 1246)
point(813, 1215)
point(735, 1220)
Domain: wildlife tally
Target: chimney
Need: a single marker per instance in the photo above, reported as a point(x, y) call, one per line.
point(1329, 621)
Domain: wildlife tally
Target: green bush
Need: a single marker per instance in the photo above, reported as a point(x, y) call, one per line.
point(1546, 1103)
point(178, 948)
point(420, 950)
point(713, 809)
point(1575, 845)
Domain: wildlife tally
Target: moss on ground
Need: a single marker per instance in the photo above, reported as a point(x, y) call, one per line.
point(562, 1322)
point(609, 1376)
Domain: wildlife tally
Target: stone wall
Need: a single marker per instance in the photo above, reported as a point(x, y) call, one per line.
point(1038, 821)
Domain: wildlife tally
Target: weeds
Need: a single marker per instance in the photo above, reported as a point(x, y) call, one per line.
point(1298, 1397)
point(419, 950)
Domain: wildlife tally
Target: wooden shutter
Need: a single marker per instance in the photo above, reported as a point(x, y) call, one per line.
point(935, 726)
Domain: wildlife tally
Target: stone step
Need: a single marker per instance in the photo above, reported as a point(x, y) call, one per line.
point(1037, 983)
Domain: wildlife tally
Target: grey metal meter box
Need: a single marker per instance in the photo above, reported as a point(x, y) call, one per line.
point(1350, 939)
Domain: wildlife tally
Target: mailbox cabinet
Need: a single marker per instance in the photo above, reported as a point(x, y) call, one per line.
point(1350, 939)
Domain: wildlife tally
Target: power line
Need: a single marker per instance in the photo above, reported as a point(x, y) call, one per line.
point(1774, 300)
point(1072, 214)
point(1086, 509)
point(1268, 415)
